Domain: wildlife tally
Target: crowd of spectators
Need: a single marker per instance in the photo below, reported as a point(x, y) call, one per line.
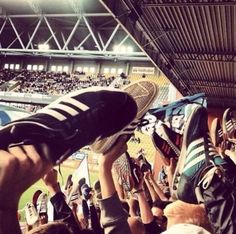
point(126, 201)
point(7, 75)
point(58, 83)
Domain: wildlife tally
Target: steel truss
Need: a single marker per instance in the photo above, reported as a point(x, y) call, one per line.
point(63, 44)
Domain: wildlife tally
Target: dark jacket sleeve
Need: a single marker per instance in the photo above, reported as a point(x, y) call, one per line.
point(152, 228)
point(95, 223)
point(63, 212)
point(113, 217)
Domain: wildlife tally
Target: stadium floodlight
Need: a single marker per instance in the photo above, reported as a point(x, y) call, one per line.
point(122, 49)
point(116, 48)
point(43, 46)
point(129, 49)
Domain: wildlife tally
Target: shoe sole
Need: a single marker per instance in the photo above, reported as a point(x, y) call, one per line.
point(144, 94)
point(183, 154)
point(123, 171)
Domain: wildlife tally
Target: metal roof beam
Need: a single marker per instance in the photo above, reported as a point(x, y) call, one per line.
point(35, 31)
point(64, 40)
point(72, 33)
point(101, 40)
point(232, 60)
point(83, 41)
point(3, 25)
point(202, 53)
point(9, 46)
point(31, 44)
point(111, 37)
point(86, 54)
point(123, 41)
point(57, 15)
point(92, 33)
point(188, 4)
point(95, 52)
point(213, 84)
point(52, 33)
point(17, 34)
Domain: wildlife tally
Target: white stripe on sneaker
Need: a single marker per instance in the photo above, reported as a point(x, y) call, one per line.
point(196, 142)
point(230, 128)
point(195, 161)
point(78, 104)
point(52, 113)
point(194, 152)
point(229, 124)
point(65, 108)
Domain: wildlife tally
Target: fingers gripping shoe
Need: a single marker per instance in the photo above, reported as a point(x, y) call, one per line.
point(72, 121)
point(197, 153)
point(144, 93)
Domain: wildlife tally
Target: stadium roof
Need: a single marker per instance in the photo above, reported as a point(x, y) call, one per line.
point(71, 28)
point(193, 42)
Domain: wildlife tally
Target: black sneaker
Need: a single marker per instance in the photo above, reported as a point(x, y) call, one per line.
point(167, 142)
point(72, 122)
point(216, 132)
point(144, 93)
point(197, 153)
point(228, 124)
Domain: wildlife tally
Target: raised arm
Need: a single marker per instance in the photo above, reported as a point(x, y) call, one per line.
point(113, 217)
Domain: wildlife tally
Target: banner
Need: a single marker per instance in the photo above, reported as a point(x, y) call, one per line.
point(81, 172)
point(173, 114)
point(9, 114)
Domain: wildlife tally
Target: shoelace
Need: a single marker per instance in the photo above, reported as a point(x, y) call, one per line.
point(173, 147)
point(205, 182)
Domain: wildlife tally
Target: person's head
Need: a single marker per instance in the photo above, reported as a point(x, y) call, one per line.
point(57, 227)
point(136, 225)
point(182, 212)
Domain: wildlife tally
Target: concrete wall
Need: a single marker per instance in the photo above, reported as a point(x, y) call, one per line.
point(73, 64)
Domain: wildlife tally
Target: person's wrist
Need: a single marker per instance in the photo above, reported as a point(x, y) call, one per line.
point(53, 188)
point(138, 191)
point(105, 163)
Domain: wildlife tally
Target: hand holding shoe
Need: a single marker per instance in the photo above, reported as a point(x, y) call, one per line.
point(20, 167)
